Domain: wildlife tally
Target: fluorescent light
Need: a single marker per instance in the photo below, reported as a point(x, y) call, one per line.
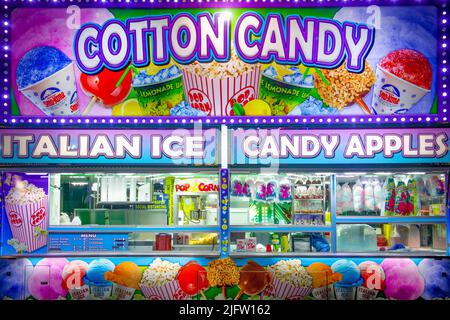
point(355, 173)
point(79, 184)
point(416, 173)
point(383, 173)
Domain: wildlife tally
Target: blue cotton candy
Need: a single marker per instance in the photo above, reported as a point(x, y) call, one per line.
point(38, 64)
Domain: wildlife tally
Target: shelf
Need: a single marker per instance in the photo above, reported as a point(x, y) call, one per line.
point(130, 229)
point(364, 255)
point(279, 228)
point(391, 219)
point(114, 254)
point(130, 203)
point(309, 199)
point(308, 185)
point(309, 213)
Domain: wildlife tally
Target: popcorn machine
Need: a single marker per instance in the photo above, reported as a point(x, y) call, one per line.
point(196, 201)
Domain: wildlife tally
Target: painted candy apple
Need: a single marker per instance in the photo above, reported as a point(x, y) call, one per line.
point(106, 86)
point(192, 278)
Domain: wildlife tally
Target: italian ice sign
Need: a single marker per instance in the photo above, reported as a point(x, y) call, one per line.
point(224, 62)
point(180, 147)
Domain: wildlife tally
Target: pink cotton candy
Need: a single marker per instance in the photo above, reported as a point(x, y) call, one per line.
point(403, 280)
point(46, 282)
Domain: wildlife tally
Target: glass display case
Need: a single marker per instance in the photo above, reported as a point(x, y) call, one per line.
point(280, 199)
point(153, 212)
point(400, 212)
point(118, 199)
point(391, 212)
point(391, 194)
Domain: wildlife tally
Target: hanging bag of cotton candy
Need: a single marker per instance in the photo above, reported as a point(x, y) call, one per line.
point(358, 196)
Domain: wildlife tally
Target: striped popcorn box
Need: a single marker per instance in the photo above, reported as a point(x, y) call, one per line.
point(169, 291)
point(23, 220)
point(283, 290)
point(122, 292)
point(81, 293)
point(216, 96)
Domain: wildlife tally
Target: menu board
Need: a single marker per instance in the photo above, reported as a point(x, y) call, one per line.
point(87, 242)
point(225, 61)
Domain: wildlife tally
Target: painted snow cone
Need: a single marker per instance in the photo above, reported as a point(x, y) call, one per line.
point(374, 277)
point(290, 280)
point(100, 288)
point(73, 275)
point(351, 279)
point(27, 211)
point(323, 279)
point(214, 87)
point(403, 78)
point(159, 281)
point(125, 279)
point(45, 75)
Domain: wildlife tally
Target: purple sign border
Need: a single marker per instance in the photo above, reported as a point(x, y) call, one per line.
point(375, 120)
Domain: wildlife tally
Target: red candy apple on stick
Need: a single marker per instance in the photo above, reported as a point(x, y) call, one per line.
point(192, 279)
point(108, 86)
